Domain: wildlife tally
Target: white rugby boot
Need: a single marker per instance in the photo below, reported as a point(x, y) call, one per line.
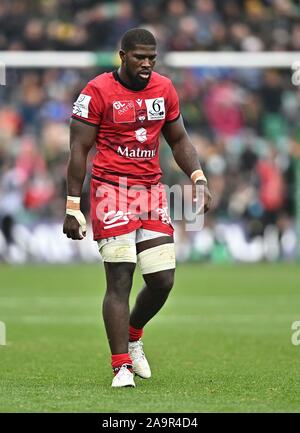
point(123, 378)
point(140, 364)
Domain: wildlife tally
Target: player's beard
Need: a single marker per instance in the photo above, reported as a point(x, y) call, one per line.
point(137, 82)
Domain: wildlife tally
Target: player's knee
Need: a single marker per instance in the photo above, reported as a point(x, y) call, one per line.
point(160, 282)
point(119, 279)
point(166, 281)
point(120, 287)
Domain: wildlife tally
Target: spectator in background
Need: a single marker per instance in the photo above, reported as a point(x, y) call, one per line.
point(271, 188)
point(237, 118)
point(11, 202)
point(223, 107)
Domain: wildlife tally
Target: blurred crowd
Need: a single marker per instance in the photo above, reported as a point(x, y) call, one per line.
point(244, 123)
point(242, 25)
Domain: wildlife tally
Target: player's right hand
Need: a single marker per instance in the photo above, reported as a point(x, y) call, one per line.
point(201, 197)
point(75, 225)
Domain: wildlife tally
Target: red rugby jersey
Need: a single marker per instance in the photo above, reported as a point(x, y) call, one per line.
point(129, 124)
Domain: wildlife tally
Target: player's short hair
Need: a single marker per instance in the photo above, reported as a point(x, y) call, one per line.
point(136, 36)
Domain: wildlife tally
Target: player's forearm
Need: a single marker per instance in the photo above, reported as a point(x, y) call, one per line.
point(186, 156)
point(76, 171)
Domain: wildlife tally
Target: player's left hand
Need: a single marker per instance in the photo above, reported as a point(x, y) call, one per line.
point(201, 197)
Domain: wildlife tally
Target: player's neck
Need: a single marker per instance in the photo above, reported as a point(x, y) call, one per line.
point(121, 76)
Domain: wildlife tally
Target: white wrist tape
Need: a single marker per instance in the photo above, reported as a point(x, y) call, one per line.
point(73, 199)
point(198, 175)
point(73, 209)
point(80, 218)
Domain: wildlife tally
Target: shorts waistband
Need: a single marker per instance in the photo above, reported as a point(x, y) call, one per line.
point(101, 179)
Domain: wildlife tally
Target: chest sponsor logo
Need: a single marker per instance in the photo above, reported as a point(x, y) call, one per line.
point(141, 135)
point(155, 108)
point(136, 153)
point(123, 111)
point(81, 106)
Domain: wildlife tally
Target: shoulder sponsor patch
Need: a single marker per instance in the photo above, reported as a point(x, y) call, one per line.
point(123, 111)
point(81, 106)
point(155, 108)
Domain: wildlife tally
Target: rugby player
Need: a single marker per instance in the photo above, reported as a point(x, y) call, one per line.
point(123, 112)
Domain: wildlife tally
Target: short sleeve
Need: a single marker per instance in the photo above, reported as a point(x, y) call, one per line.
point(88, 106)
point(173, 110)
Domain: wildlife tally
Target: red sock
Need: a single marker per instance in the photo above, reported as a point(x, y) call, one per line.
point(118, 360)
point(135, 334)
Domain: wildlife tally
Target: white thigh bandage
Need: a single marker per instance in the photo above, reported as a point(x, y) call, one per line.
point(118, 249)
point(159, 258)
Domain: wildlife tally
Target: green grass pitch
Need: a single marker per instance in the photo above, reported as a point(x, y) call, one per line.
point(222, 343)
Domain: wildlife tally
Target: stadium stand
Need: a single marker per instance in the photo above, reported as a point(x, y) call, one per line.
point(244, 123)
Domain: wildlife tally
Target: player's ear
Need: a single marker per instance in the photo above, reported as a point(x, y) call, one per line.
point(122, 55)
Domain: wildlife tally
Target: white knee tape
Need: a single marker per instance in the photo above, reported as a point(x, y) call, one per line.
point(118, 249)
point(157, 259)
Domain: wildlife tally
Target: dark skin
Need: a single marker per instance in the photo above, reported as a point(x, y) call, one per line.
point(82, 139)
point(135, 71)
point(137, 66)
